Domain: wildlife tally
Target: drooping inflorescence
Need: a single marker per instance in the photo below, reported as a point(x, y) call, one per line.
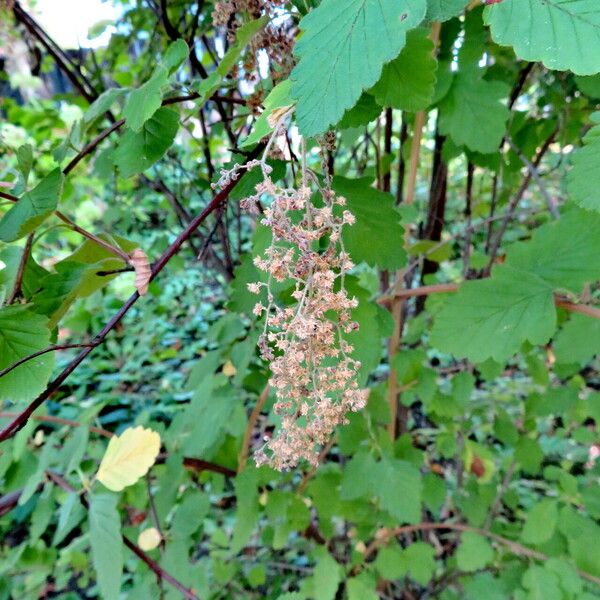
point(313, 372)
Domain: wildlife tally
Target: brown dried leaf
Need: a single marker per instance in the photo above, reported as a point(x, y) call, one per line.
point(139, 261)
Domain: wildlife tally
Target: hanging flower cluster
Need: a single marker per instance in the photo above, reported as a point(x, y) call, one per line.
point(276, 39)
point(313, 373)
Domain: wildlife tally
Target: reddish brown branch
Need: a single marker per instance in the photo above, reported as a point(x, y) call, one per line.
point(518, 549)
point(158, 266)
point(446, 288)
point(198, 465)
point(59, 421)
point(191, 464)
point(29, 357)
point(243, 456)
point(84, 86)
point(153, 565)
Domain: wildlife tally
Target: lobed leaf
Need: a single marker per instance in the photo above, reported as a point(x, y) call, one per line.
point(341, 54)
point(562, 34)
point(33, 208)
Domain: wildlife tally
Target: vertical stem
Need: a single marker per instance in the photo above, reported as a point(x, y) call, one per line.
point(397, 305)
point(401, 161)
point(21, 271)
point(395, 427)
point(387, 148)
point(468, 213)
point(386, 183)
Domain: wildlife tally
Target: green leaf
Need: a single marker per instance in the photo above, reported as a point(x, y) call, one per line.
point(493, 317)
point(278, 97)
point(358, 479)
point(589, 85)
point(25, 160)
point(564, 253)
point(246, 518)
point(390, 563)
point(586, 162)
point(407, 82)
point(176, 53)
point(22, 333)
point(420, 562)
point(46, 456)
point(443, 10)
point(541, 584)
point(362, 113)
point(107, 546)
point(103, 103)
point(375, 325)
point(472, 112)
point(362, 587)
point(484, 585)
point(541, 522)
point(529, 455)
point(33, 208)
point(144, 101)
point(399, 489)
point(77, 277)
point(327, 576)
point(570, 582)
point(474, 552)
point(578, 341)
point(377, 224)
point(341, 53)
point(11, 257)
point(243, 36)
point(204, 420)
point(562, 34)
point(71, 513)
point(137, 151)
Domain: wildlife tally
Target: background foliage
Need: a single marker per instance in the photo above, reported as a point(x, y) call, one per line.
point(466, 141)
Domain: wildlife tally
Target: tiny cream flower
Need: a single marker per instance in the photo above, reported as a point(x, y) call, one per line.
point(313, 375)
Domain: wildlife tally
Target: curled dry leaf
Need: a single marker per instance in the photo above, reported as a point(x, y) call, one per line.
point(143, 272)
point(277, 114)
point(128, 457)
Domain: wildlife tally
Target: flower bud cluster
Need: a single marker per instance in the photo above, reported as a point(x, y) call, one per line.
point(313, 373)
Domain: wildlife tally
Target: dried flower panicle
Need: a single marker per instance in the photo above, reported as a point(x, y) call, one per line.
point(276, 39)
point(313, 373)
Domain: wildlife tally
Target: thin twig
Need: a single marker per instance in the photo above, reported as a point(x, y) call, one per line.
point(550, 202)
point(158, 266)
point(59, 421)
point(198, 465)
point(446, 288)
point(20, 272)
point(495, 245)
point(243, 456)
point(385, 535)
point(153, 565)
point(87, 234)
point(311, 473)
point(29, 357)
point(500, 494)
point(94, 238)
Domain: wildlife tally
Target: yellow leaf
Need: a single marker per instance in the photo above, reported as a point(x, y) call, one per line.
point(128, 457)
point(228, 369)
point(149, 539)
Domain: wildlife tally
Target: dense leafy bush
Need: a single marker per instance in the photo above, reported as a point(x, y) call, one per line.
point(135, 368)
